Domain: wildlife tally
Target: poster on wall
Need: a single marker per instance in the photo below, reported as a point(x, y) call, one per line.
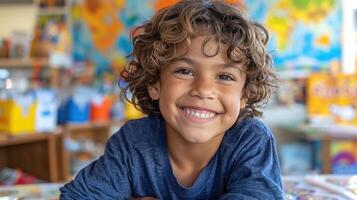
point(305, 35)
point(101, 29)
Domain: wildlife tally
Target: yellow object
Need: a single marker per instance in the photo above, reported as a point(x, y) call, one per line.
point(319, 95)
point(333, 97)
point(130, 112)
point(344, 108)
point(342, 146)
point(16, 118)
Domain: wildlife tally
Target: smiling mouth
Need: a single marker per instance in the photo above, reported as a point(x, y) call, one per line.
point(200, 114)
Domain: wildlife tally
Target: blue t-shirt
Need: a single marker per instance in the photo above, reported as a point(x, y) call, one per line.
point(136, 164)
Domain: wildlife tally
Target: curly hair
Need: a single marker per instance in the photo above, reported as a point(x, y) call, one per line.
point(155, 45)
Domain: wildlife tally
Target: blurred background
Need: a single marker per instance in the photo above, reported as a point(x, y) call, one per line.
point(60, 61)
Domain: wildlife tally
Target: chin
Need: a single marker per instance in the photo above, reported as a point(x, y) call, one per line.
point(197, 140)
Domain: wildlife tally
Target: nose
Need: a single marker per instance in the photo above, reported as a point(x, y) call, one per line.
point(203, 87)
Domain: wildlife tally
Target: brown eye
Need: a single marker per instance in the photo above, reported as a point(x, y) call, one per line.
point(225, 77)
point(184, 71)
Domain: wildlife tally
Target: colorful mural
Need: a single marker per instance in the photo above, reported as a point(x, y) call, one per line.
point(100, 31)
point(305, 34)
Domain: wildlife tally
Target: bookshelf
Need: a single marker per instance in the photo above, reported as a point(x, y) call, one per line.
point(44, 155)
point(326, 135)
point(18, 63)
point(41, 155)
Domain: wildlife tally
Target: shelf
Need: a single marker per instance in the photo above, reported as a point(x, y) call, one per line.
point(293, 74)
point(41, 155)
point(59, 10)
point(88, 125)
point(327, 132)
point(91, 125)
point(23, 63)
point(8, 140)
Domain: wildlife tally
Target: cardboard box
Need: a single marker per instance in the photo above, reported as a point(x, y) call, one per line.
point(46, 113)
point(100, 108)
point(17, 116)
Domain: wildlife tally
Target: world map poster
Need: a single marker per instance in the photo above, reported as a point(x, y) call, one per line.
point(304, 34)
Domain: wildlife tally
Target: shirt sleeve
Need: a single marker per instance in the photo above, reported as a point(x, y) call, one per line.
point(109, 177)
point(256, 172)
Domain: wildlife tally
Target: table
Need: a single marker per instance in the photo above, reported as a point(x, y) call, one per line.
point(332, 187)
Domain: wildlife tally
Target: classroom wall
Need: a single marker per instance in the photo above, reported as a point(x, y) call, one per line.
point(16, 17)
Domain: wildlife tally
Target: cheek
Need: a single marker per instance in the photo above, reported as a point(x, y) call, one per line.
point(233, 104)
point(175, 89)
point(168, 97)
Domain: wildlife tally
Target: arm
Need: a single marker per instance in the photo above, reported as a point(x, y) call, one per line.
point(109, 177)
point(256, 172)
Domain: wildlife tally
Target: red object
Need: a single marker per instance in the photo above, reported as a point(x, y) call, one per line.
point(25, 179)
point(101, 111)
point(10, 176)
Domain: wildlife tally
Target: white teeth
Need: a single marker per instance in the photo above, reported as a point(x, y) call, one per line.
point(199, 114)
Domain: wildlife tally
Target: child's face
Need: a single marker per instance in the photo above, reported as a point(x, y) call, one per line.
point(200, 97)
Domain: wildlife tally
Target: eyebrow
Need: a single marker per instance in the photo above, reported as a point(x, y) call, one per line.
point(193, 62)
point(185, 59)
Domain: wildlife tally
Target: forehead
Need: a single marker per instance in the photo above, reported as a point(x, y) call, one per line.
point(204, 45)
point(206, 48)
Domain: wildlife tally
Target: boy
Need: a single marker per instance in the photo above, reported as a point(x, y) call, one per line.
point(200, 71)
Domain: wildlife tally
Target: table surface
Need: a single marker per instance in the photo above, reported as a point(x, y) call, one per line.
point(312, 187)
point(333, 187)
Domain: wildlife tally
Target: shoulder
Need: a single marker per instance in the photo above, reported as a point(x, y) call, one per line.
point(142, 124)
point(252, 126)
point(251, 129)
point(141, 131)
point(249, 141)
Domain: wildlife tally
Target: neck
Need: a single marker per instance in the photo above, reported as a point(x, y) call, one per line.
point(191, 155)
point(188, 159)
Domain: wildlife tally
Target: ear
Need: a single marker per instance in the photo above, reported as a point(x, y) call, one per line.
point(243, 102)
point(154, 91)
